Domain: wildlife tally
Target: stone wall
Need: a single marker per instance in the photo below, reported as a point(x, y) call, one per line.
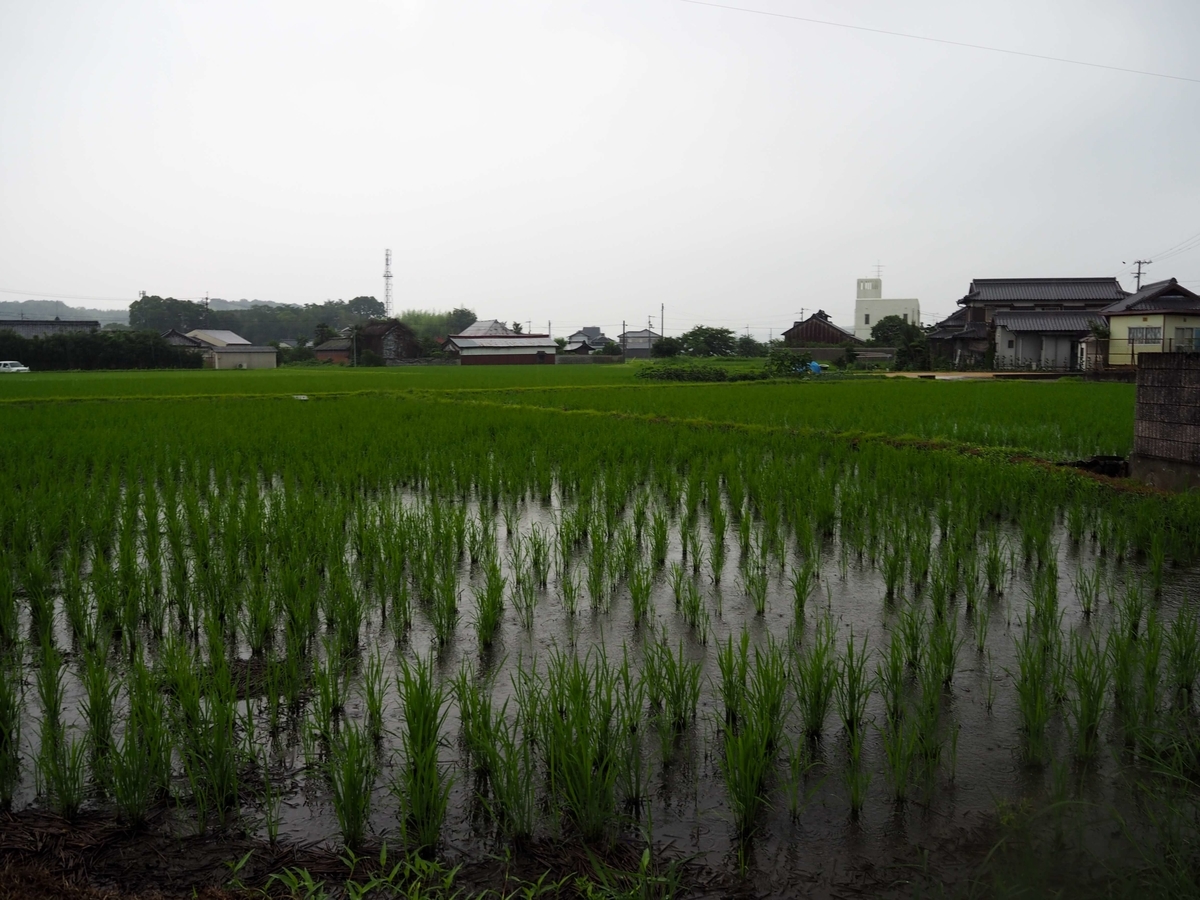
point(1166, 441)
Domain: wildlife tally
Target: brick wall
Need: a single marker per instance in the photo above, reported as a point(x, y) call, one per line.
point(1167, 418)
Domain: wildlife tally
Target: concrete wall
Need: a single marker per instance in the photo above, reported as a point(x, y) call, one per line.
point(876, 309)
point(232, 359)
point(1166, 442)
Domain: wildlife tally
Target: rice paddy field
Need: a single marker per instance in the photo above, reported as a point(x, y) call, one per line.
point(846, 638)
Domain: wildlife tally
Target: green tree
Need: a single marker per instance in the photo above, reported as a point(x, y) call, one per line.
point(517, 329)
point(366, 308)
point(912, 348)
point(666, 347)
point(705, 341)
point(323, 333)
point(748, 346)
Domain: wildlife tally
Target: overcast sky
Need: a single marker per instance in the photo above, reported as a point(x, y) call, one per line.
point(584, 161)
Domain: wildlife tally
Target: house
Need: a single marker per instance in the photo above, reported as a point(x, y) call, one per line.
point(870, 306)
point(818, 329)
point(637, 344)
point(227, 350)
point(390, 340)
point(967, 337)
point(1044, 340)
point(179, 339)
point(36, 328)
point(586, 340)
point(1163, 317)
point(491, 343)
point(336, 350)
point(218, 338)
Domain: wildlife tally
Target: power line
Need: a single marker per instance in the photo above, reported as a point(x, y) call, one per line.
point(933, 40)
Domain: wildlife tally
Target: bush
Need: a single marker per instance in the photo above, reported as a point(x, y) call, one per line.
point(683, 372)
point(784, 363)
point(97, 350)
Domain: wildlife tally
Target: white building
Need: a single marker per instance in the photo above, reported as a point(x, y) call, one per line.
point(870, 306)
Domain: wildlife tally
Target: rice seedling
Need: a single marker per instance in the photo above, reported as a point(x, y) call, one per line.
point(927, 720)
point(1157, 555)
point(11, 699)
point(525, 599)
point(632, 776)
point(569, 585)
point(489, 604)
point(640, 584)
point(889, 675)
point(577, 726)
point(511, 771)
point(983, 619)
point(857, 775)
point(1150, 694)
point(754, 585)
point(1089, 680)
point(995, 566)
point(351, 771)
point(766, 692)
point(814, 675)
point(1033, 700)
point(899, 746)
point(942, 651)
point(1183, 655)
point(100, 694)
point(373, 696)
point(852, 687)
point(895, 563)
point(733, 662)
point(1087, 590)
point(61, 764)
point(659, 535)
point(692, 609)
point(804, 580)
point(444, 611)
point(424, 785)
point(912, 634)
point(746, 763)
point(475, 718)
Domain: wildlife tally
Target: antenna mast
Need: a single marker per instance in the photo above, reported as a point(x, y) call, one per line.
point(387, 282)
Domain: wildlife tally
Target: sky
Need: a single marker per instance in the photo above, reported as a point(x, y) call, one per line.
point(592, 162)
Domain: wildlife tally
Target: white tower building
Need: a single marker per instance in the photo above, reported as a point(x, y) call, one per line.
point(870, 306)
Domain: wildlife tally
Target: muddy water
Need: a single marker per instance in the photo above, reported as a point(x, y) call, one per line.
point(982, 768)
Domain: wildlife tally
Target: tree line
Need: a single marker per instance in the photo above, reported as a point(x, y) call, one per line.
point(96, 350)
point(308, 323)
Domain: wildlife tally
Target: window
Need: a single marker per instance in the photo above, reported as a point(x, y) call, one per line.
point(906, 317)
point(1187, 338)
point(1010, 343)
point(867, 319)
point(1145, 335)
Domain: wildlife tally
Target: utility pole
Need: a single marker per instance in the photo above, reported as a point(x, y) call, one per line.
point(1138, 274)
point(622, 340)
point(662, 326)
point(387, 283)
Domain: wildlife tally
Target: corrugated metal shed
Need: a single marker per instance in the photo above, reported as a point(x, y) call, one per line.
point(218, 337)
point(527, 342)
point(485, 327)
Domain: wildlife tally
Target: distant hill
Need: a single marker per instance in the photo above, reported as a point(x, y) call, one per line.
point(48, 309)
